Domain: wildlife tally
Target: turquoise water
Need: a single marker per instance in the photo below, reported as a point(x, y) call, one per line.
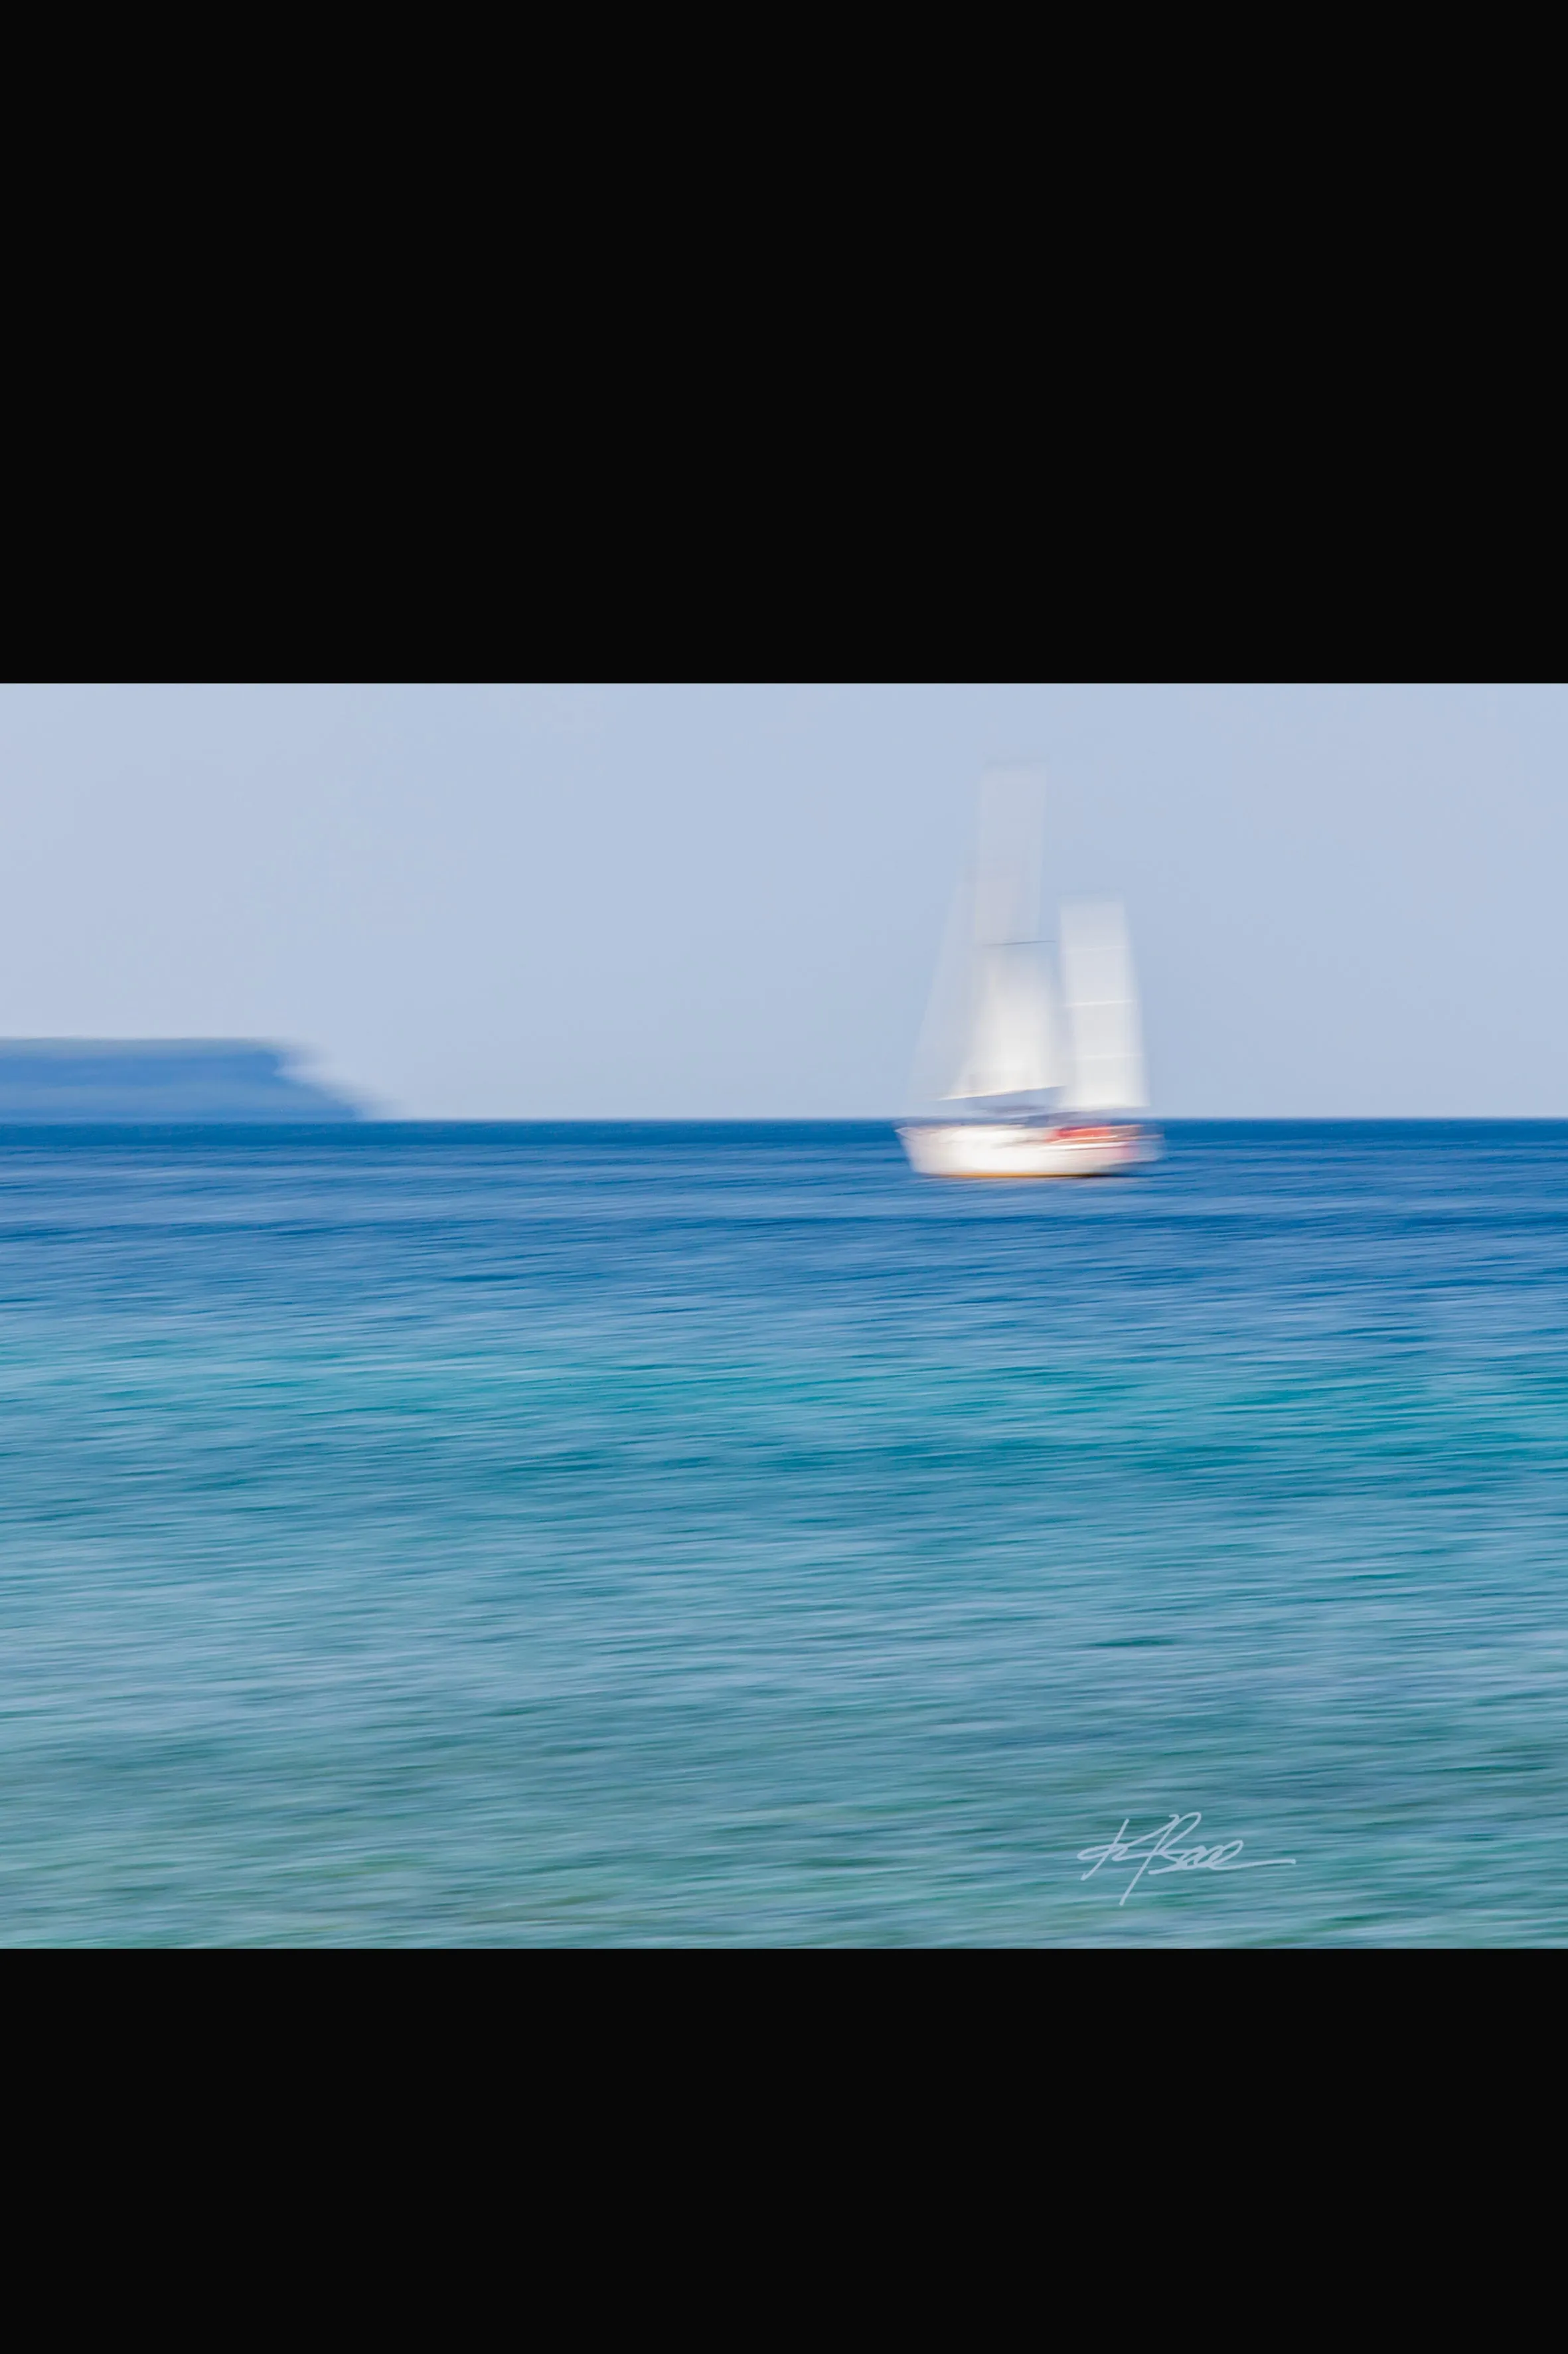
point(677, 1534)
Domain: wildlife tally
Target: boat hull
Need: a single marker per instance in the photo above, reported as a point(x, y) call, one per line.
point(994, 1148)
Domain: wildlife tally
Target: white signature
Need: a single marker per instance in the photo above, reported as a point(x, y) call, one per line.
point(1157, 1853)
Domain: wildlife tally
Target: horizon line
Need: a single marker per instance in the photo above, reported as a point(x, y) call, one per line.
point(354, 1124)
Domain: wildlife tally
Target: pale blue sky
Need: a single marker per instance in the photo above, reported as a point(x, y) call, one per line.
point(556, 902)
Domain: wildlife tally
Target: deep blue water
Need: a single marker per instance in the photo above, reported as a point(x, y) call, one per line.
point(644, 1534)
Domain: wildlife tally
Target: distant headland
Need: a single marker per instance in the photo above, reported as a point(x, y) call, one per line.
point(157, 1082)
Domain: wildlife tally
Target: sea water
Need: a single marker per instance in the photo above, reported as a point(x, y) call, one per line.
point(706, 1534)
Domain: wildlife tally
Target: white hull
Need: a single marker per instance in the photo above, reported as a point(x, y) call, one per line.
point(993, 1149)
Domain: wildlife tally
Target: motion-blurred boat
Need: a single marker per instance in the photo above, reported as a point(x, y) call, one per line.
point(1047, 1065)
point(992, 1149)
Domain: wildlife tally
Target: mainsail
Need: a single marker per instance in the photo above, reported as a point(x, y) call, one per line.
point(1006, 1042)
point(1011, 1048)
point(1106, 1039)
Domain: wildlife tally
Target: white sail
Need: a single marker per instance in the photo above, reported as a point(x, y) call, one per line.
point(993, 1029)
point(1011, 1048)
point(1106, 1042)
point(1009, 1042)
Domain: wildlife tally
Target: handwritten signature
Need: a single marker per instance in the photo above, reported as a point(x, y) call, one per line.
point(1157, 1852)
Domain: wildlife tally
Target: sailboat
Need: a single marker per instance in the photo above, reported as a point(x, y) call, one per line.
point(1042, 1058)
